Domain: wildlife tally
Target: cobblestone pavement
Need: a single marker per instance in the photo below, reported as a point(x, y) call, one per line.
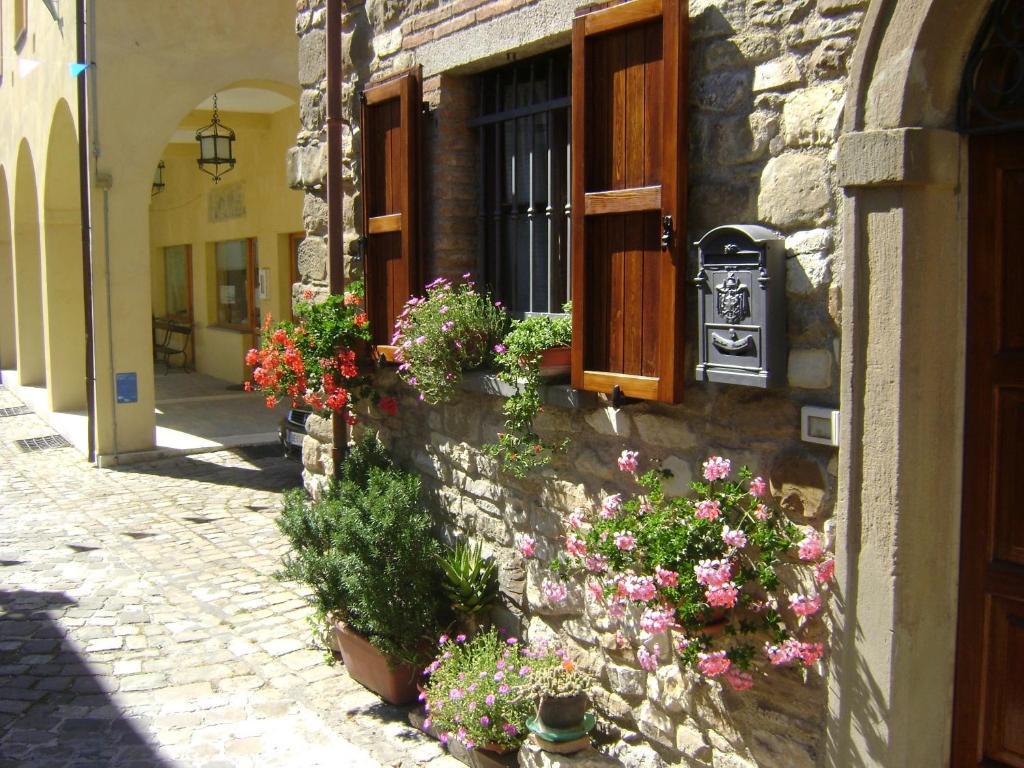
point(140, 623)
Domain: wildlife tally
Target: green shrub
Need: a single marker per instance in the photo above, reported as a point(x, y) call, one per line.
point(367, 552)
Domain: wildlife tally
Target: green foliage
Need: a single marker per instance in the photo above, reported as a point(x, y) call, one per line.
point(519, 448)
point(451, 329)
point(470, 582)
point(367, 552)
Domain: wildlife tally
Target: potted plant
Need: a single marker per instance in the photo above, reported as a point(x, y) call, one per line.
point(367, 552)
point(451, 329)
point(535, 348)
point(478, 693)
point(701, 573)
point(562, 693)
point(470, 584)
point(314, 362)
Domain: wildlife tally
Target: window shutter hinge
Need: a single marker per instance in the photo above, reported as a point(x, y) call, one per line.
point(666, 231)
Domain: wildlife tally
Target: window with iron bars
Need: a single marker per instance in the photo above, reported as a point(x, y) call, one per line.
point(523, 218)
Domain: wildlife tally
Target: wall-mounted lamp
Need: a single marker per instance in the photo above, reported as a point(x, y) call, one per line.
point(158, 178)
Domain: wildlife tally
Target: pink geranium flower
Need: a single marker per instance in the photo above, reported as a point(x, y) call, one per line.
point(758, 487)
point(708, 510)
point(575, 546)
point(810, 546)
point(734, 538)
point(527, 545)
point(577, 519)
point(625, 541)
point(722, 595)
point(665, 578)
point(810, 653)
point(713, 664)
point(761, 512)
point(805, 605)
point(655, 620)
point(611, 505)
point(639, 589)
point(712, 573)
point(554, 591)
point(596, 563)
point(717, 468)
point(824, 571)
point(648, 659)
point(738, 679)
point(628, 461)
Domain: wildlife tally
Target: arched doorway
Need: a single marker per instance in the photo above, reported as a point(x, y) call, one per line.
point(62, 278)
point(8, 343)
point(988, 723)
point(28, 274)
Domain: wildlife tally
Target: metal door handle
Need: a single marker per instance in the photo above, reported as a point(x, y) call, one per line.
point(666, 231)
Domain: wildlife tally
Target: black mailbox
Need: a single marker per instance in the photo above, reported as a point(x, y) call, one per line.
point(741, 296)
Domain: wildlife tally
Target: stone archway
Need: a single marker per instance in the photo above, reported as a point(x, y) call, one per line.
point(28, 273)
point(62, 277)
point(901, 166)
point(8, 342)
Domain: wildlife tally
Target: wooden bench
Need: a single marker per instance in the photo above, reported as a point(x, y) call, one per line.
point(171, 337)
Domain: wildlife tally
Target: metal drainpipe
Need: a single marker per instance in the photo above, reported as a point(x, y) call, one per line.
point(86, 206)
point(335, 221)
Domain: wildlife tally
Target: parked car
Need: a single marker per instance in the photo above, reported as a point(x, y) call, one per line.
point(292, 430)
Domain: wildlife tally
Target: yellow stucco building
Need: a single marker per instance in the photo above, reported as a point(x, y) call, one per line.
point(214, 256)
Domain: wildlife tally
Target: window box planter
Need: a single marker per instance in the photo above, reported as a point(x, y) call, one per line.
point(395, 683)
point(555, 362)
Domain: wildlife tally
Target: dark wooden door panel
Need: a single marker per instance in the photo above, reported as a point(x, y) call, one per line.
point(988, 727)
point(1011, 321)
point(1004, 680)
point(1009, 503)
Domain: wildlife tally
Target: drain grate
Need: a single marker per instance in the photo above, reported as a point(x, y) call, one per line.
point(18, 410)
point(31, 444)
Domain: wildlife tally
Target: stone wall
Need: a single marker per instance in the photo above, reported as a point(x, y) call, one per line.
point(768, 79)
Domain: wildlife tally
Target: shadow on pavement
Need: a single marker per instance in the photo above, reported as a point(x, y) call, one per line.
point(54, 710)
point(267, 469)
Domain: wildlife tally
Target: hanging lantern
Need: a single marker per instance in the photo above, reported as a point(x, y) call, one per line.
point(215, 147)
point(158, 178)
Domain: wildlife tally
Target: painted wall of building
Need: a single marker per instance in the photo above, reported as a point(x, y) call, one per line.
point(252, 201)
point(767, 85)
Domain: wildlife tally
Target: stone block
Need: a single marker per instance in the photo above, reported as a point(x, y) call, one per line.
point(319, 428)
point(811, 116)
point(610, 421)
point(682, 476)
point(313, 258)
point(665, 431)
point(532, 756)
point(312, 57)
point(778, 74)
point(795, 192)
point(721, 91)
point(641, 756)
point(656, 725)
point(799, 485)
point(627, 681)
point(690, 741)
point(539, 604)
point(810, 368)
point(314, 214)
point(836, 6)
point(311, 455)
point(743, 139)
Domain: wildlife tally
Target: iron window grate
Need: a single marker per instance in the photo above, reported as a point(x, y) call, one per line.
point(523, 130)
point(18, 410)
point(32, 444)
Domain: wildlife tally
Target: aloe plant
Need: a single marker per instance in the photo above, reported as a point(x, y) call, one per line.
point(470, 583)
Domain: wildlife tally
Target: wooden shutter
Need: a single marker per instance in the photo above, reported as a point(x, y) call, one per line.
point(390, 190)
point(629, 174)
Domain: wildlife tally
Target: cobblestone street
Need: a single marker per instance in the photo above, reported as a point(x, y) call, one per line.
point(140, 623)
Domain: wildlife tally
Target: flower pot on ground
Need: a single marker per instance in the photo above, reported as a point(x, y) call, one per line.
point(367, 552)
point(562, 694)
point(393, 682)
point(562, 712)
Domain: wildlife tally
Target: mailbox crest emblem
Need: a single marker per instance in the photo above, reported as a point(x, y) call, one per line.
point(733, 300)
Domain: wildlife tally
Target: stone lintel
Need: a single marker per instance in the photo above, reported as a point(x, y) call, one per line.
point(899, 157)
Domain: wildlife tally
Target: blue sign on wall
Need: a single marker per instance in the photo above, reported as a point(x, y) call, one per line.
point(127, 388)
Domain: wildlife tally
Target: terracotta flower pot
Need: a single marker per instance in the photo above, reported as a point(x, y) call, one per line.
point(556, 361)
point(396, 684)
point(562, 712)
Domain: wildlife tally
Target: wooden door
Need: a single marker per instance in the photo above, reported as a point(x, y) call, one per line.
point(390, 184)
point(989, 711)
point(629, 198)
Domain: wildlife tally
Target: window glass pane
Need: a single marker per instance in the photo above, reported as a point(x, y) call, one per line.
point(232, 282)
point(523, 212)
point(176, 289)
